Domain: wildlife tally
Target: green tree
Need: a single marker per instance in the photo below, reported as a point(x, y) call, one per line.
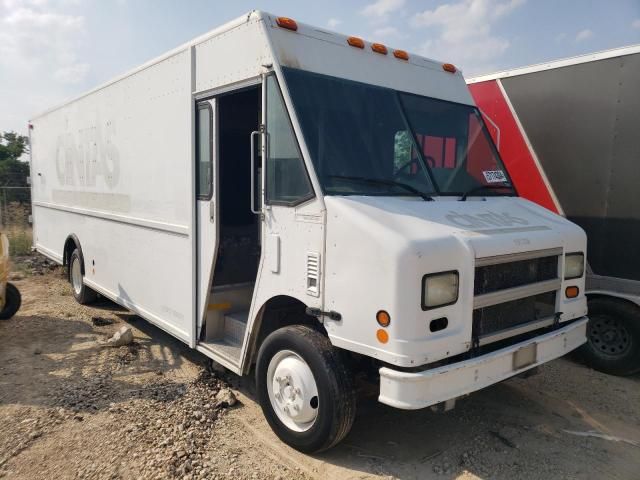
point(13, 171)
point(402, 149)
point(12, 146)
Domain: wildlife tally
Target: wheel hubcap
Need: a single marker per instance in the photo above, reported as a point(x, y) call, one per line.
point(292, 390)
point(76, 276)
point(608, 335)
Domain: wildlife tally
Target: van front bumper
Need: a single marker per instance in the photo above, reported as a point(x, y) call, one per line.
point(413, 390)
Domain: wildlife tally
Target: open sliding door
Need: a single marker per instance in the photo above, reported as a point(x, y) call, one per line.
point(206, 207)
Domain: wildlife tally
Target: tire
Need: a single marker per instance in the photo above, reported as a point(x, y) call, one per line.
point(290, 355)
point(83, 294)
point(613, 337)
point(12, 302)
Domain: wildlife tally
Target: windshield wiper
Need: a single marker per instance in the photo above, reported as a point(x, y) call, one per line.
point(483, 187)
point(382, 181)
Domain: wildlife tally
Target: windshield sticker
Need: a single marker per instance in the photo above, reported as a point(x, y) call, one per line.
point(494, 176)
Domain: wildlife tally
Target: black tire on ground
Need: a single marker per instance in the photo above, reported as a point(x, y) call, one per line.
point(12, 302)
point(336, 400)
point(613, 337)
point(83, 294)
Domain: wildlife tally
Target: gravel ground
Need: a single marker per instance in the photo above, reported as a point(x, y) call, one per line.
point(71, 408)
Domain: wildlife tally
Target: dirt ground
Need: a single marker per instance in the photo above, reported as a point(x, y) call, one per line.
point(70, 408)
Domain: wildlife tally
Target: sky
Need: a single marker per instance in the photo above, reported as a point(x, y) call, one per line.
point(52, 50)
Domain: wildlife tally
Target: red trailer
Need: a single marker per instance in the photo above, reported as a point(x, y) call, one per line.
point(569, 133)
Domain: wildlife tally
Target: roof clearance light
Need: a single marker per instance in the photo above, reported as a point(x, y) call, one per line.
point(379, 48)
point(355, 42)
point(288, 23)
point(449, 67)
point(401, 54)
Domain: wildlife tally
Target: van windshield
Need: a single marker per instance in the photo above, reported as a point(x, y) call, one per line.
point(369, 140)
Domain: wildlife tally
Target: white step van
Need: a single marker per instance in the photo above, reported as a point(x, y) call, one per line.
point(308, 206)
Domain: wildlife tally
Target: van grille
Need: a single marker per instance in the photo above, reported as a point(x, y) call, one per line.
point(504, 301)
point(491, 278)
point(489, 320)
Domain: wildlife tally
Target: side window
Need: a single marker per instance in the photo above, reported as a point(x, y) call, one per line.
point(204, 157)
point(287, 179)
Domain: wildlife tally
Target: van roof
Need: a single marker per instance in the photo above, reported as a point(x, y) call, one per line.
point(297, 54)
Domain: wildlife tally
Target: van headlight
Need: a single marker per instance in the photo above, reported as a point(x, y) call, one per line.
point(439, 289)
point(573, 265)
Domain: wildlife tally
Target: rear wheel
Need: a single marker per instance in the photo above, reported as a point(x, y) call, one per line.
point(613, 337)
point(304, 389)
point(83, 294)
point(12, 302)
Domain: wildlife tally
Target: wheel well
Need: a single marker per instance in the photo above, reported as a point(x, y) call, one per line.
point(278, 312)
point(612, 298)
point(70, 244)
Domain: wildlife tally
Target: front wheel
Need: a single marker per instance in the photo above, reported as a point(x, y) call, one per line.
point(12, 302)
point(613, 337)
point(304, 388)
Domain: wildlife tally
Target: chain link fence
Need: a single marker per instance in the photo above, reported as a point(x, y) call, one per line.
point(15, 218)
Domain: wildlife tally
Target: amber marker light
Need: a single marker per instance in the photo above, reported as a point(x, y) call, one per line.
point(383, 318)
point(355, 42)
point(572, 292)
point(288, 23)
point(382, 336)
point(449, 67)
point(401, 54)
point(379, 48)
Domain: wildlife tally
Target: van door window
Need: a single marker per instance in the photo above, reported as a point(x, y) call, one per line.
point(287, 179)
point(204, 152)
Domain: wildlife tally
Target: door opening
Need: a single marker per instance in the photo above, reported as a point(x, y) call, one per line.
point(239, 243)
point(238, 114)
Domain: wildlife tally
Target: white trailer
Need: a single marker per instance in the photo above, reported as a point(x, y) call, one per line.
point(305, 205)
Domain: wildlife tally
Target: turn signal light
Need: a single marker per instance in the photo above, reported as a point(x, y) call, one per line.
point(355, 42)
point(449, 67)
point(572, 292)
point(379, 48)
point(401, 54)
point(383, 318)
point(382, 336)
point(288, 23)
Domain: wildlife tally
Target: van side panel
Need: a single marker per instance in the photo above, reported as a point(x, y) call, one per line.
point(232, 56)
point(114, 168)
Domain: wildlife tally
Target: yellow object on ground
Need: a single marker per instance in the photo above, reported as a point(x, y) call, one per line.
point(10, 299)
point(4, 268)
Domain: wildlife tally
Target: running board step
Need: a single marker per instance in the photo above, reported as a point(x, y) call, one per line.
point(226, 347)
point(235, 325)
point(225, 353)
